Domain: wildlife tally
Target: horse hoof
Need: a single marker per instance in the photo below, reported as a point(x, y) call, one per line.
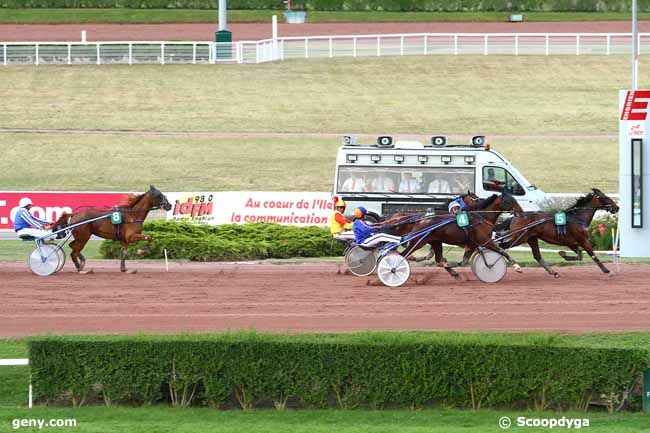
point(517, 269)
point(86, 272)
point(556, 275)
point(457, 277)
point(132, 271)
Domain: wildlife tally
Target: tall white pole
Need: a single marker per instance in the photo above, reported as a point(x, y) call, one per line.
point(635, 47)
point(223, 24)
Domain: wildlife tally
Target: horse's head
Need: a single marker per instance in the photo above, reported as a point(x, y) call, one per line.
point(600, 200)
point(510, 204)
point(470, 199)
point(158, 199)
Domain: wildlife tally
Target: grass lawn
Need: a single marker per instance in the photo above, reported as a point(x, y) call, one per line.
point(184, 163)
point(155, 16)
point(432, 95)
point(18, 250)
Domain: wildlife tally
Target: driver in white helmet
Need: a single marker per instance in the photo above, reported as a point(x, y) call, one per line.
point(26, 224)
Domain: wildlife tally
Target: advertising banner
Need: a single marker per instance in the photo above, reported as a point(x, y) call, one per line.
point(50, 205)
point(241, 207)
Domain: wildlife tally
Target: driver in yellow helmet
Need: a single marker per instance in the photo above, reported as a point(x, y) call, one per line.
point(338, 221)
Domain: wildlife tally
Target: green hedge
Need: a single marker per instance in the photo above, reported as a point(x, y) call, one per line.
point(351, 5)
point(230, 242)
point(376, 370)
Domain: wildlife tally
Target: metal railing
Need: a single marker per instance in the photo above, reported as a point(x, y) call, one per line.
point(145, 52)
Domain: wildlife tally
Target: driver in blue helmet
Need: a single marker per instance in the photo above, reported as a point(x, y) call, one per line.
point(362, 230)
point(457, 205)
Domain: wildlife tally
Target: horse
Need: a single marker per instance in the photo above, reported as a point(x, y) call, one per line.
point(134, 211)
point(532, 226)
point(483, 216)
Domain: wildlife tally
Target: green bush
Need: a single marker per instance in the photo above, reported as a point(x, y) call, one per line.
point(229, 242)
point(351, 5)
point(376, 370)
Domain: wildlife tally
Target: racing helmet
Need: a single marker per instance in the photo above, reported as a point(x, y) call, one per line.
point(338, 202)
point(456, 203)
point(360, 212)
point(25, 201)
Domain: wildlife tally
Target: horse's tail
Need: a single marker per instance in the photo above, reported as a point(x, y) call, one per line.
point(62, 222)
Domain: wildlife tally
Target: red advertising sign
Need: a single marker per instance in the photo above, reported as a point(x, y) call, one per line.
point(636, 105)
point(50, 206)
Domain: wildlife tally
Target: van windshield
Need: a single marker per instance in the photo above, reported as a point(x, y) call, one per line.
point(406, 180)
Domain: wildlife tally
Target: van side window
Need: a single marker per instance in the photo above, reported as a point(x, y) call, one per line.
point(497, 179)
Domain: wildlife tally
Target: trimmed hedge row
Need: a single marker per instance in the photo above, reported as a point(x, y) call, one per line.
point(351, 5)
point(380, 370)
point(230, 242)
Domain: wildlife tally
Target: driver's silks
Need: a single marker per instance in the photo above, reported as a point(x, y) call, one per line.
point(462, 219)
point(560, 218)
point(116, 218)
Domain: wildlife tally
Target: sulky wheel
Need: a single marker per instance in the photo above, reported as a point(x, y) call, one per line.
point(43, 261)
point(61, 254)
point(393, 269)
point(360, 261)
point(488, 266)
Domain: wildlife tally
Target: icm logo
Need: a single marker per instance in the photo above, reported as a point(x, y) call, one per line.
point(197, 206)
point(636, 105)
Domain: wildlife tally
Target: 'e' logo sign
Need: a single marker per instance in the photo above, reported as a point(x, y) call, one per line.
point(636, 105)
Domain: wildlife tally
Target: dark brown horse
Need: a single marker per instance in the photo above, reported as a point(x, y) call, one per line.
point(483, 216)
point(532, 226)
point(133, 214)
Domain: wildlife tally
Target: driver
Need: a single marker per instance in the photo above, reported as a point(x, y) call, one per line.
point(26, 224)
point(368, 234)
point(457, 205)
point(338, 222)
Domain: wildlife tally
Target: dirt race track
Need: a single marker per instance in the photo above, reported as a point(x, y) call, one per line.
point(200, 297)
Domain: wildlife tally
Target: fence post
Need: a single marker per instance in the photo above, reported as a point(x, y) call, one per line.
point(162, 53)
point(98, 55)
point(401, 45)
point(306, 48)
point(330, 46)
point(577, 45)
point(36, 54)
point(4, 50)
point(194, 53)
point(281, 49)
point(378, 46)
point(354, 46)
point(424, 43)
point(130, 53)
point(547, 44)
point(516, 45)
point(455, 45)
point(609, 37)
point(69, 54)
point(257, 53)
point(485, 45)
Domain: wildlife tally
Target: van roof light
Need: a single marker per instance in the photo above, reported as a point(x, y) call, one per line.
point(438, 141)
point(478, 140)
point(385, 141)
point(349, 140)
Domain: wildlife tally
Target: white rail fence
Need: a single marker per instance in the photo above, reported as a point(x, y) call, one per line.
point(460, 44)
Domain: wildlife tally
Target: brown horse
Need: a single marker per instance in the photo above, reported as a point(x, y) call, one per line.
point(483, 216)
point(133, 213)
point(532, 226)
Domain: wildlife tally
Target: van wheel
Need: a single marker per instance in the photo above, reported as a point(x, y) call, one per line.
point(372, 218)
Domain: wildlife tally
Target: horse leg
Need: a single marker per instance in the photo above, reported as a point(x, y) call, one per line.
point(123, 253)
point(442, 262)
point(534, 247)
point(586, 245)
point(575, 258)
point(496, 248)
point(76, 256)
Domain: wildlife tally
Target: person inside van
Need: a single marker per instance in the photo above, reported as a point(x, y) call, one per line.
point(490, 182)
point(355, 183)
point(439, 185)
point(409, 183)
point(382, 183)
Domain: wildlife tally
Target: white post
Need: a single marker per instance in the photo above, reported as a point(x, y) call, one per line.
point(30, 392)
point(354, 46)
point(401, 45)
point(36, 54)
point(274, 37)
point(455, 45)
point(194, 53)
point(162, 53)
point(378, 46)
point(257, 53)
point(83, 36)
point(485, 45)
point(282, 49)
point(98, 54)
point(330, 47)
point(577, 45)
point(223, 24)
point(516, 45)
point(4, 50)
point(547, 45)
point(69, 54)
point(130, 53)
point(635, 47)
point(609, 37)
point(425, 43)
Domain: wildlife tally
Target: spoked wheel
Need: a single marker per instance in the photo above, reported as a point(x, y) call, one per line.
point(360, 262)
point(44, 261)
point(393, 269)
point(61, 254)
point(488, 266)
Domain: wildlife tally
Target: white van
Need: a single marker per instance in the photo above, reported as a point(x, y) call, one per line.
point(399, 176)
